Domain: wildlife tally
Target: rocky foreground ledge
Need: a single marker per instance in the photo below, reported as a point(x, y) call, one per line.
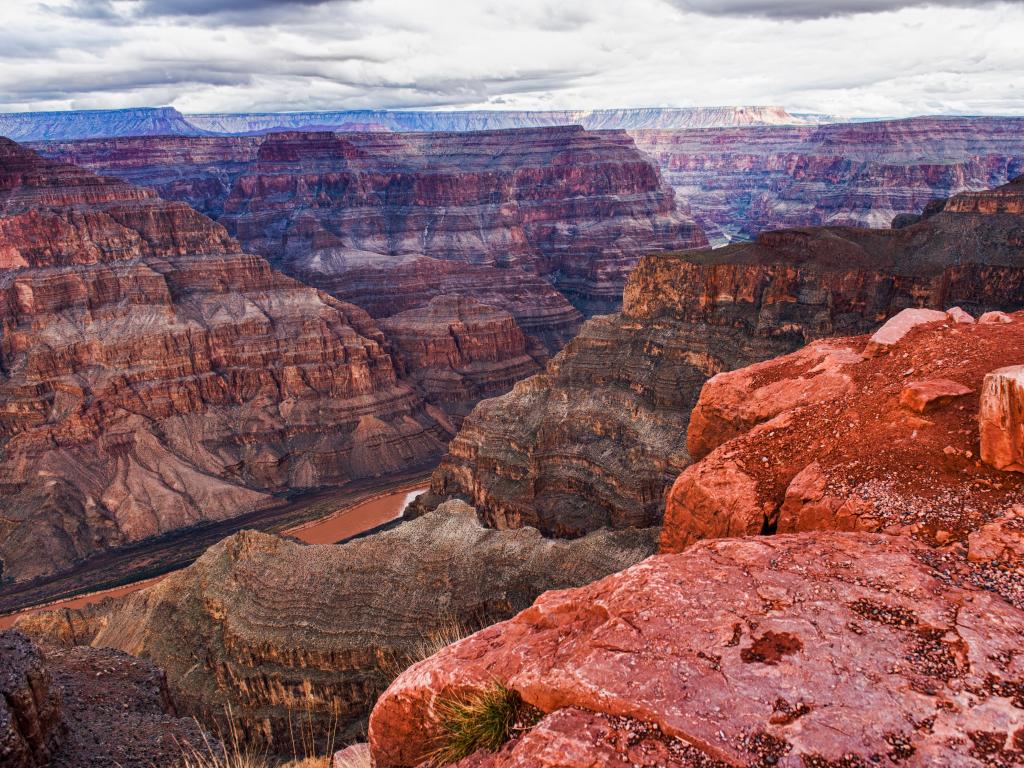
point(819, 649)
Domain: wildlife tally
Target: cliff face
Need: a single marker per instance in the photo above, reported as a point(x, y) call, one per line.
point(600, 435)
point(574, 206)
point(823, 649)
point(285, 630)
point(460, 351)
point(55, 705)
point(741, 181)
point(154, 376)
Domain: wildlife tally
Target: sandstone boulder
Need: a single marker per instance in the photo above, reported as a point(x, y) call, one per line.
point(995, 317)
point(923, 396)
point(898, 326)
point(1001, 419)
point(959, 316)
point(821, 439)
point(818, 649)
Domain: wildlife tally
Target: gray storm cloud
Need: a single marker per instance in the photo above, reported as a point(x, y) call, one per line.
point(937, 57)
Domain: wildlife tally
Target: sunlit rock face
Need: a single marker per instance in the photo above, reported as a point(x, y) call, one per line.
point(153, 375)
point(818, 648)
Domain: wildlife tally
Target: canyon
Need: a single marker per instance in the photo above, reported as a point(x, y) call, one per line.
point(769, 511)
point(600, 435)
point(577, 207)
point(155, 376)
point(739, 171)
point(740, 181)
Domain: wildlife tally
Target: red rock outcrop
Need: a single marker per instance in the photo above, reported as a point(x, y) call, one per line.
point(810, 649)
point(829, 438)
point(741, 181)
point(277, 630)
point(85, 706)
point(154, 376)
point(599, 437)
point(1001, 418)
point(579, 207)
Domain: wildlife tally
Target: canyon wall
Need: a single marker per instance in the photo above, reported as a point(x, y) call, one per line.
point(599, 437)
point(287, 631)
point(167, 121)
point(577, 207)
point(741, 181)
point(154, 376)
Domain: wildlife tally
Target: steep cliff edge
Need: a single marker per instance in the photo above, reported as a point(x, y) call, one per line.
point(153, 376)
point(600, 435)
point(741, 181)
point(279, 630)
point(578, 207)
point(83, 706)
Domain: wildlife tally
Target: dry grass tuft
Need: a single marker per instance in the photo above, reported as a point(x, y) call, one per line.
point(481, 720)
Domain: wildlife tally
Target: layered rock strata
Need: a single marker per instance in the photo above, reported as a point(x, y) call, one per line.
point(599, 436)
point(578, 207)
point(460, 351)
point(831, 438)
point(809, 649)
point(280, 630)
point(745, 180)
point(86, 706)
point(153, 376)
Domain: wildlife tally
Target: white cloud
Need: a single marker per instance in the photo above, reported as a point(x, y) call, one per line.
point(910, 58)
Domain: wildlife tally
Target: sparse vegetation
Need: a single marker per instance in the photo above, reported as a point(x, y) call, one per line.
point(450, 631)
point(481, 720)
point(234, 750)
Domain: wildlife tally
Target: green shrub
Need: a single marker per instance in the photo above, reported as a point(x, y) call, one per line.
point(481, 720)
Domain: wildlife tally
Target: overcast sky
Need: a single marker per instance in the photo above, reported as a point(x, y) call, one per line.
point(847, 57)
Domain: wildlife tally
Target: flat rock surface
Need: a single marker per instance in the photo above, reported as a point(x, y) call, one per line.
point(807, 649)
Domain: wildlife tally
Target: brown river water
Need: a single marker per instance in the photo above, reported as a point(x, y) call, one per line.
point(339, 525)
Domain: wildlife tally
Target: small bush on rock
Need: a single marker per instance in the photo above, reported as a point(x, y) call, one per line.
point(481, 720)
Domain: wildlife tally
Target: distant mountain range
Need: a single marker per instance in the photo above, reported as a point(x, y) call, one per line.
point(161, 121)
